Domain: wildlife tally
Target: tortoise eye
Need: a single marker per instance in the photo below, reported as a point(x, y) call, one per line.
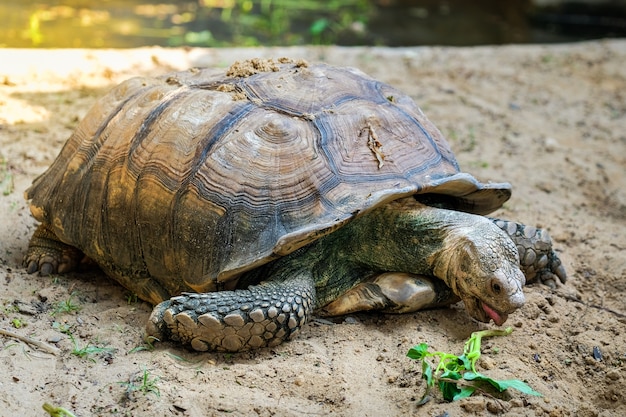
point(495, 287)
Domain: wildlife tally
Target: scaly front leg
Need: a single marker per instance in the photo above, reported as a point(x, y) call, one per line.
point(232, 321)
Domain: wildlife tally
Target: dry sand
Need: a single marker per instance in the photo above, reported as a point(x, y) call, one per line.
point(549, 119)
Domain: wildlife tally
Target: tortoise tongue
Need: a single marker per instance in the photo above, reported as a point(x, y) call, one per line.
point(493, 314)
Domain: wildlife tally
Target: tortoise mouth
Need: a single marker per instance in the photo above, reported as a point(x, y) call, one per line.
point(485, 313)
point(493, 314)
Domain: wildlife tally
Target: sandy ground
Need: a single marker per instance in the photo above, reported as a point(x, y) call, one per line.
point(549, 119)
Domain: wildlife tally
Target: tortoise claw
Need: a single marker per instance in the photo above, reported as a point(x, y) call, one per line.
point(37, 260)
point(560, 272)
point(46, 269)
point(32, 267)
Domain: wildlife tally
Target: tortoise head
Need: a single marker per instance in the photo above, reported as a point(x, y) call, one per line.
point(483, 270)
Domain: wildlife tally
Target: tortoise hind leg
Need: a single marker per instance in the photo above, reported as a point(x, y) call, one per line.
point(232, 321)
point(392, 292)
point(48, 255)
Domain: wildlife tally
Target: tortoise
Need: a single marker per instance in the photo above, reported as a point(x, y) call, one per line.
point(240, 201)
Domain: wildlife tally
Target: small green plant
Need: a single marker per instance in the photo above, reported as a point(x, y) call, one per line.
point(145, 384)
point(10, 308)
point(57, 411)
point(148, 345)
point(456, 376)
point(17, 323)
point(66, 306)
point(62, 327)
point(139, 349)
point(87, 350)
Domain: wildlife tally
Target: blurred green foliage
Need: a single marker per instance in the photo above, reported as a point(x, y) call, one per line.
point(117, 23)
point(228, 23)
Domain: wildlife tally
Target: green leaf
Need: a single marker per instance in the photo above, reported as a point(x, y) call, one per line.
point(464, 392)
point(427, 372)
point(467, 365)
point(516, 384)
point(451, 375)
point(503, 384)
point(449, 389)
point(418, 352)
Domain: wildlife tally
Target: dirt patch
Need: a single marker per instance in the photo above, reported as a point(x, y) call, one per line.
point(253, 66)
point(549, 119)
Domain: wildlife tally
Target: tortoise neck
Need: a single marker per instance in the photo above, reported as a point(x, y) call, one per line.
point(406, 236)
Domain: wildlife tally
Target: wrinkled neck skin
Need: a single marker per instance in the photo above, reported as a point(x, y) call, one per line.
point(476, 259)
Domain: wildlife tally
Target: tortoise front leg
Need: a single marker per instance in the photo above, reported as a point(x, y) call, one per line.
point(232, 321)
point(48, 255)
point(538, 260)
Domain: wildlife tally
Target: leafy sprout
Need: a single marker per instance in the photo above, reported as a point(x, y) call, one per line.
point(456, 376)
point(87, 350)
point(145, 383)
point(66, 306)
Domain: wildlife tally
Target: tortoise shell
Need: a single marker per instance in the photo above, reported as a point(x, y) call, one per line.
point(194, 177)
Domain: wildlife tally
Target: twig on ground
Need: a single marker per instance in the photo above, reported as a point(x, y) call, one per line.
point(41, 345)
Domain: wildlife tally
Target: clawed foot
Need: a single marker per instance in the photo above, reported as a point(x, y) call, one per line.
point(538, 260)
point(553, 272)
point(52, 263)
point(48, 255)
point(234, 321)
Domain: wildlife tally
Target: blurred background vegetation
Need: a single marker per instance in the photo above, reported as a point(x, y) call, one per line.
point(223, 23)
